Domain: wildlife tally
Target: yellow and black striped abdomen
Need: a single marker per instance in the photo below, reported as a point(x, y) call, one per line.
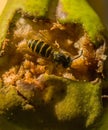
point(40, 47)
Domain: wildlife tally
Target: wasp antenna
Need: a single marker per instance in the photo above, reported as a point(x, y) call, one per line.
point(79, 55)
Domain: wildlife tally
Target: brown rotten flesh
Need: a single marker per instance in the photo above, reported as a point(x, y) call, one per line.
point(25, 67)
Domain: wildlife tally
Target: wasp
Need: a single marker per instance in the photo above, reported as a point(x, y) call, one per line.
point(45, 50)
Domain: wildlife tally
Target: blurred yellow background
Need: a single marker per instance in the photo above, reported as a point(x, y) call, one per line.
point(2, 5)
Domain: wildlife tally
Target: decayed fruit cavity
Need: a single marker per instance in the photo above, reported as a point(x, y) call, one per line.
point(23, 66)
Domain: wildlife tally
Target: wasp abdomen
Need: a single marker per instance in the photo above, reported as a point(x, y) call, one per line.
point(40, 47)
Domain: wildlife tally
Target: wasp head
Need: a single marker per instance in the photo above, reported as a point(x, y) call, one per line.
point(62, 59)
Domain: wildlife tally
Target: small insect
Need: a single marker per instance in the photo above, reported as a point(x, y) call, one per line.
point(45, 50)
